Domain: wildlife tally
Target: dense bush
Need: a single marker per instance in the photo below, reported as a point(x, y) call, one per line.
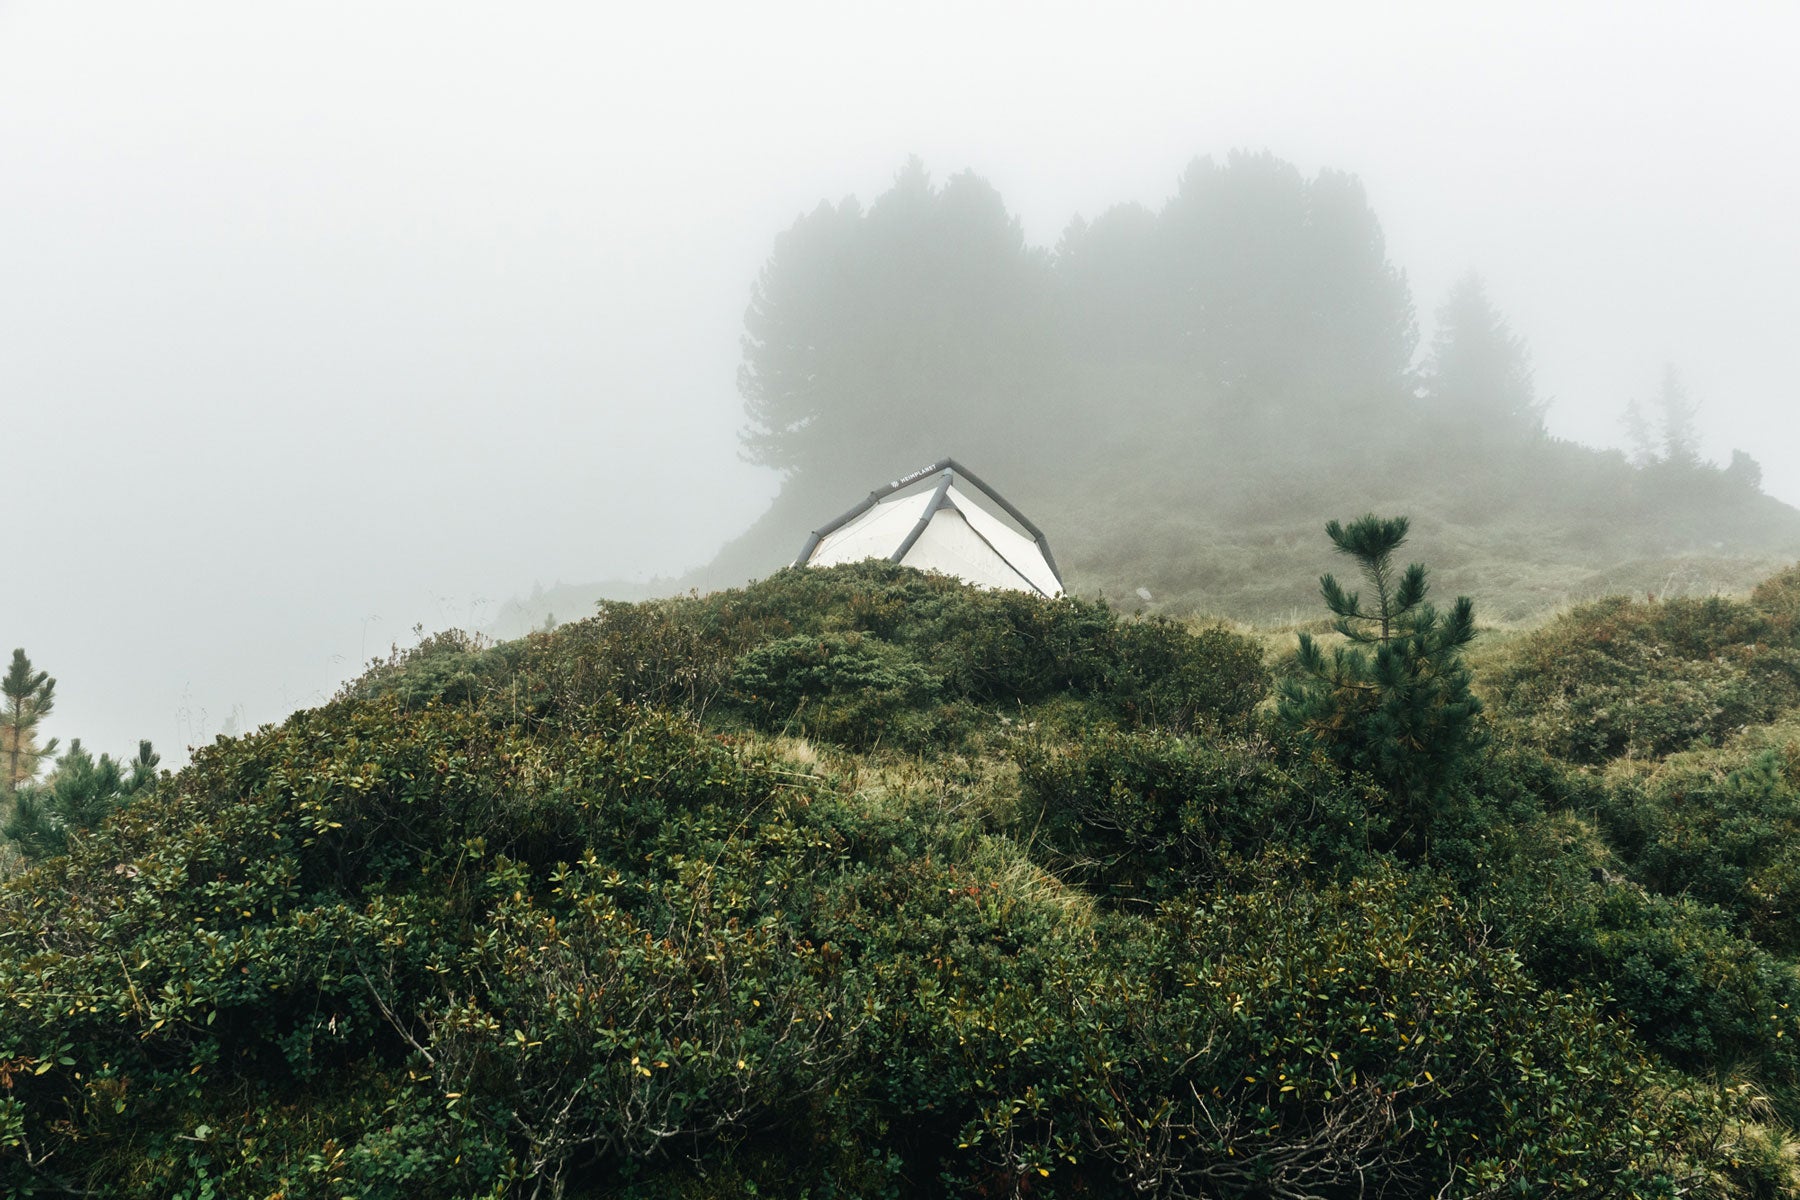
point(1279, 1040)
point(844, 687)
point(866, 654)
point(1778, 597)
point(425, 954)
point(1177, 680)
point(451, 665)
point(1001, 651)
point(1148, 814)
point(1697, 992)
point(388, 904)
point(1726, 834)
point(554, 918)
point(1376, 1018)
point(1627, 678)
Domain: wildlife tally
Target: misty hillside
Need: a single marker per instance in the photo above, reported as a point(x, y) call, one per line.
point(1174, 396)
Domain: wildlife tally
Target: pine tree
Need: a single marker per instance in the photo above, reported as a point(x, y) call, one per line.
point(1674, 441)
point(1680, 439)
point(1393, 701)
point(1638, 435)
point(79, 794)
point(871, 332)
point(30, 695)
point(1480, 370)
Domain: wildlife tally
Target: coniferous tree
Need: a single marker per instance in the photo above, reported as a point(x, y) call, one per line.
point(1480, 375)
point(79, 794)
point(1282, 302)
point(1662, 433)
point(1394, 701)
point(1638, 435)
point(1680, 439)
point(879, 339)
point(1110, 311)
point(30, 695)
point(1257, 299)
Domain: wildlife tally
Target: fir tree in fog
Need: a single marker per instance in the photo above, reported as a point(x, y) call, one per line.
point(1680, 438)
point(1479, 379)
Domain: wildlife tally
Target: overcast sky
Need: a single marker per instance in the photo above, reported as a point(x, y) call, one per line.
point(319, 320)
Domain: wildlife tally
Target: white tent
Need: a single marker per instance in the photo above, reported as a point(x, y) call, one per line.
point(941, 518)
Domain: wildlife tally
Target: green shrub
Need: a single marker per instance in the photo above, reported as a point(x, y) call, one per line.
point(295, 915)
point(550, 935)
point(858, 654)
point(1778, 597)
point(844, 687)
point(1280, 1039)
point(451, 665)
point(1697, 992)
point(1371, 1031)
point(1725, 831)
point(1150, 814)
point(1623, 678)
point(1178, 680)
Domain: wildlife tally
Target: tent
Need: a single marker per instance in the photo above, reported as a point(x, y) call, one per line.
point(941, 518)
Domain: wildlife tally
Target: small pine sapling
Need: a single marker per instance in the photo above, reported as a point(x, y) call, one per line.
point(1393, 701)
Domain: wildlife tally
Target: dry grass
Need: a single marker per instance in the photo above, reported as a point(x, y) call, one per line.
point(981, 791)
point(1010, 866)
point(795, 751)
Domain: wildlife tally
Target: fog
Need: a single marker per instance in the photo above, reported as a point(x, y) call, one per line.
point(319, 321)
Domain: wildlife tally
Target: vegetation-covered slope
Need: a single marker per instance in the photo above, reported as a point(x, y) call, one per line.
point(859, 882)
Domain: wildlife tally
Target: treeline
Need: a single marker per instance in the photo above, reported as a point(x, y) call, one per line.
point(1257, 300)
point(1257, 303)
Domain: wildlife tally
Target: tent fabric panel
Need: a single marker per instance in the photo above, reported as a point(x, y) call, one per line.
point(877, 533)
point(1020, 552)
point(949, 545)
point(932, 505)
